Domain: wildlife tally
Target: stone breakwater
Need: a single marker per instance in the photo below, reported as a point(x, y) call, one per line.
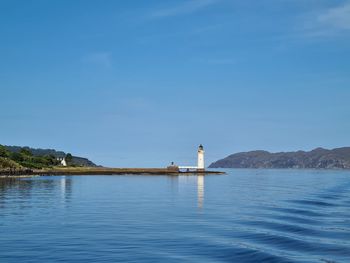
point(102, 171)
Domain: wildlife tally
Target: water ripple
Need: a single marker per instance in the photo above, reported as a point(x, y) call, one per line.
point(245, 216)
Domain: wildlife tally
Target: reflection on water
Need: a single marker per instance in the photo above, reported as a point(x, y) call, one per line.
point(63, 186)
point(245, 216)
point(190, 184)
point(25, 190)
point(200, 190)
point(66, 188)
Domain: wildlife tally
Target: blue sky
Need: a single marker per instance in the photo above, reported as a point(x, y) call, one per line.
point(142, 83)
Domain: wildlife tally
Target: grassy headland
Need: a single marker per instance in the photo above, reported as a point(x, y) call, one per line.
point(24, 158)
point(15, 160)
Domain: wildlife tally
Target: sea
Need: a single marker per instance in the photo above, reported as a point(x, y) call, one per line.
point(245, 215)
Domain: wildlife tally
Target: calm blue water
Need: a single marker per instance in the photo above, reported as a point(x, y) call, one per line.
point(244, 216)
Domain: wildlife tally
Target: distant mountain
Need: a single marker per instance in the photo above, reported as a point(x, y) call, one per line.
point(76, 160)
point(338, 158)
point(36, 152)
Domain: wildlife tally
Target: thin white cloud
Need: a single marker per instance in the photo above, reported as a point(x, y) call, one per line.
point(328, 22)
point(337, 17)
point(188, 7)
point(103, 59)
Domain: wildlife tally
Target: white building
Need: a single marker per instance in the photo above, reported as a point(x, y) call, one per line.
point(62, 161)
point(200, 160)
point(200, 164)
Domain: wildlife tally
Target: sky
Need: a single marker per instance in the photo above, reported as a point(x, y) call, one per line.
point(143, 83)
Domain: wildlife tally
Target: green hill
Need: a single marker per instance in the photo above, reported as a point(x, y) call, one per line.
point(25, 157)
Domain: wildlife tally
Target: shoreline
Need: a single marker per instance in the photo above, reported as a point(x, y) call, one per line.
point(100, 171)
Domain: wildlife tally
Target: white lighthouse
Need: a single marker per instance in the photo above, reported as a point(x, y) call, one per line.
point(200, 165)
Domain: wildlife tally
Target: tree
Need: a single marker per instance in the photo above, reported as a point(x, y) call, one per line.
point(26, 151)
point(51, 159)
point(3, 151)
point(69, 158)
point(17, 157)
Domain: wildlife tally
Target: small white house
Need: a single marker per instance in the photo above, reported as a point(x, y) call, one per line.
point(62, 161)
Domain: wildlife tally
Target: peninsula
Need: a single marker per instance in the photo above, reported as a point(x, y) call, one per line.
point(18, 161)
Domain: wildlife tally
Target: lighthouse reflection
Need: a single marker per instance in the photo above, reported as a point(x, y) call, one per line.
point(200, 190)
point(189, 186)
point(63, 182)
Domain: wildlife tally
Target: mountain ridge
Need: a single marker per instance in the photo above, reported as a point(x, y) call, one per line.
point(337, 158)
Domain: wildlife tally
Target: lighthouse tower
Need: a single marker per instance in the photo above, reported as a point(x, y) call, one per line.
point(200, 165)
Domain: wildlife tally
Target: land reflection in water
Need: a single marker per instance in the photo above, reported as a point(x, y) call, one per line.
point(25, 190)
